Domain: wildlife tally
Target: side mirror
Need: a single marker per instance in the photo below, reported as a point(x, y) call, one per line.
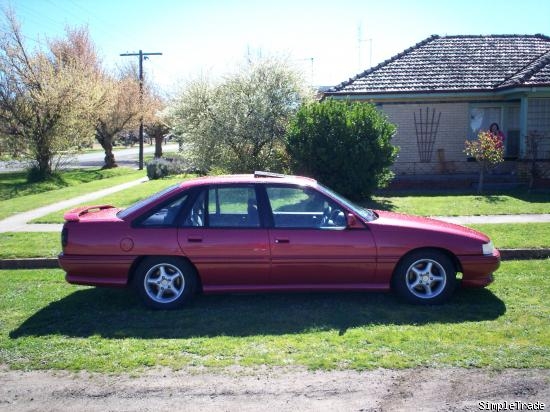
point(353, 222)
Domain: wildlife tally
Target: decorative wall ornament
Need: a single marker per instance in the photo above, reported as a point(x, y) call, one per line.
point(426, 127)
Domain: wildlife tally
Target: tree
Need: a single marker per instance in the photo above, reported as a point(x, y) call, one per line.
point(344, 145)
point(124, 105)
point(488, 151)
point(239, 124)
point(157, 129)
point(48, 96)
point(121, 110)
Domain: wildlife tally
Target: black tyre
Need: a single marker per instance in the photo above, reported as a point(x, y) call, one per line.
point(425, 277)
point(165, 282)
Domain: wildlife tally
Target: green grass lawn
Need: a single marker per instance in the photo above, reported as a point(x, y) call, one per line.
point(31, 196)
point(517, 235)
point(465, 204)
point(509, 236)
point(123, 198)
point(46, 323)
point(29, 244)
point(14, 184)
point(443, 205)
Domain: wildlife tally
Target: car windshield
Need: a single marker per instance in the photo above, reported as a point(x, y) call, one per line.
point(365, 213)
point(143, 203)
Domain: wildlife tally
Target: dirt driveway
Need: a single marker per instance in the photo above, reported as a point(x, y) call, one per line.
point(240, 389)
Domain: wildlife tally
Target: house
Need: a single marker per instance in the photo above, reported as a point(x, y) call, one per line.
point(446, 89)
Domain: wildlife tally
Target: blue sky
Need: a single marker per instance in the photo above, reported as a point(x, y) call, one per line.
point(329, 41)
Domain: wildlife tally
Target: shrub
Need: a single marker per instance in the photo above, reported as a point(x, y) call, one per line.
point(170, 165)
point(343, 145)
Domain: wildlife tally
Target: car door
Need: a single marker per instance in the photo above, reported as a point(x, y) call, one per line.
point(225, 239)
point(311, 244)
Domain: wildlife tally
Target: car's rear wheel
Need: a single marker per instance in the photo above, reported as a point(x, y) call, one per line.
point(165, 282)
point(425, 277)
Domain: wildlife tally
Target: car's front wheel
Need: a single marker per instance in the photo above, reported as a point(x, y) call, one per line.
point(165, 282)
point(425, 277)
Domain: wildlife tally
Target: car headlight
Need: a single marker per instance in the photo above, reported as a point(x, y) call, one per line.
point(487, 248)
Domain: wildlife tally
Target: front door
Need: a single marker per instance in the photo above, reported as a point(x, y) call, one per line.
point(311, 245)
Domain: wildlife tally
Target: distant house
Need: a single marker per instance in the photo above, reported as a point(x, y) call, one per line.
point(445, 89)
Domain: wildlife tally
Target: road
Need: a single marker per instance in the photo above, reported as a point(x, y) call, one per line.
point(276, 389)
point(124, 157)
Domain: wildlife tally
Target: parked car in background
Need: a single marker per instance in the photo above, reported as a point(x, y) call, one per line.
point(267, 232)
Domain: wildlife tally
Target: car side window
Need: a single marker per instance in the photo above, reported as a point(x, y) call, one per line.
point(233, 206)
point(304, 207)
point(196, 215)
point(225, 207)
point(166, 215)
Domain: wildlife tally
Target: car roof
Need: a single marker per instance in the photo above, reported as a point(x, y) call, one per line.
point(257, 177)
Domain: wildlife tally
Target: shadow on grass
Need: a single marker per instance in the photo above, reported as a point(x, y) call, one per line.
point(379, 204)
point(118, 314)
point(16, 184)
point(492, 199)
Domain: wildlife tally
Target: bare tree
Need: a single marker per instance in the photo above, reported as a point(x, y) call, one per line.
point(48, 95)
point(124, 105)
point(157, 130)
point(120, 111)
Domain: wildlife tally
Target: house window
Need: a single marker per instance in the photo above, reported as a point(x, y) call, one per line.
point(538, 120)
point(481, 118)
point(511, 140)
point(507, 118)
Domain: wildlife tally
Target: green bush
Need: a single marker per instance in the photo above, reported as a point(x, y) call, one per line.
point(346, 146)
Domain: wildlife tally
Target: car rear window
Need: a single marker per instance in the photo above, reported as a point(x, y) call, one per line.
point(145, 202)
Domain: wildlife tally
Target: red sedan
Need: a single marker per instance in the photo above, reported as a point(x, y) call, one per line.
point(264, 232)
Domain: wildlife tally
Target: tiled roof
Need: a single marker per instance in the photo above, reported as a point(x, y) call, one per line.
point(458, 63)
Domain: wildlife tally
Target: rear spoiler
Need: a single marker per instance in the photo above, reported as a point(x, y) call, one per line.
point(74, 214)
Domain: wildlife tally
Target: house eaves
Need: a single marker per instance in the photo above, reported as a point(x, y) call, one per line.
point(442, 95)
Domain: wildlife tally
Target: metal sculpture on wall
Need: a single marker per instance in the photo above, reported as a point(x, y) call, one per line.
point(426, 131)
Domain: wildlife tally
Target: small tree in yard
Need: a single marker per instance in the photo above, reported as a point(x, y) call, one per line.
point(346, 146)
point(488, 151)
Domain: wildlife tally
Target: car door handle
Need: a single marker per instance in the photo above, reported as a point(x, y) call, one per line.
point(282, 241)
point(194, 239)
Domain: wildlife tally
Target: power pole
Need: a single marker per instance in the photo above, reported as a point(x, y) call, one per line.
point(141, 56)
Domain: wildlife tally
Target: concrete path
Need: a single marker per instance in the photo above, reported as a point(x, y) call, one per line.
point(19, 222)
point(524, 218)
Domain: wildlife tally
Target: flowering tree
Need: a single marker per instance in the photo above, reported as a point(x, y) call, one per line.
point(488, 150)
point(48, 94)
point(239, 124)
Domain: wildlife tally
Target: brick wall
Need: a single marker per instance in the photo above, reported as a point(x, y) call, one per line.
point(447, 154)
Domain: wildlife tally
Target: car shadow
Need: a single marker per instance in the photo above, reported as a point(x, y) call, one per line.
point(118, 314)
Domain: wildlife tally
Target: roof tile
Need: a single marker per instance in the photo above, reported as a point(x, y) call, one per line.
point(458, 63)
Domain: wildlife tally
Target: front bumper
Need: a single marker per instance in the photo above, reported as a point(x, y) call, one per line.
point(477, 271)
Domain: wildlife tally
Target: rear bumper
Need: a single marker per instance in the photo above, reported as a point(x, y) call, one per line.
point(477, 271)
point(96, 270)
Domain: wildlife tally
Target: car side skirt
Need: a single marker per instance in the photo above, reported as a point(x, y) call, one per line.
point(347, 287)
